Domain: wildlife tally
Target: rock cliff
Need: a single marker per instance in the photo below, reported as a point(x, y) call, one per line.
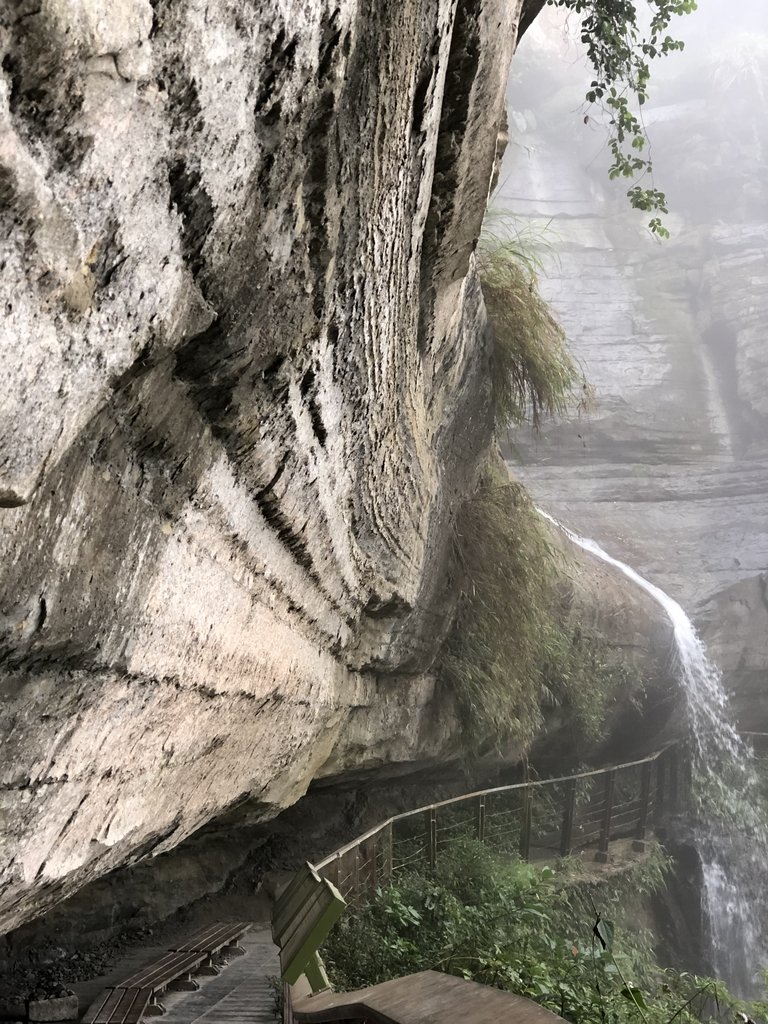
point(247, 391)
point(244, 388)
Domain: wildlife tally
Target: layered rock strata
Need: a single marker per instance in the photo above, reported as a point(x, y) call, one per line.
point(244, 389)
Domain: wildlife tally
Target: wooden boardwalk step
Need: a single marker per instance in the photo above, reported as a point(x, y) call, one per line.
point(420, 998)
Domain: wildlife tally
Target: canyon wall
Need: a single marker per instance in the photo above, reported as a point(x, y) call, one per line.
point(246, 392)
point(244, 389)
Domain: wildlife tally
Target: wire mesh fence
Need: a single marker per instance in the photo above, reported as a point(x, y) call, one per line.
point(531, 820)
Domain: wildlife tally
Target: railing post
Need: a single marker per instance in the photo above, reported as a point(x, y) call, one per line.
point(525, 825)
point(480, 824)
point(334, 870)
point(660, 802)
point(369, 853)
point(431, 824)
point(566, 832)
point(356, 871)
point(645, 799)
point(388, 855)
point(605, 833)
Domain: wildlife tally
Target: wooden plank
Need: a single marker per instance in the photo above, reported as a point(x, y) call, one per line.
point(420, 998)
point(101, 1008)
point(303, 922)
point(294, 958)
point(211, 940)
point(136, 1011)
point(131, 1006)
point(287, 904)
point(120, 1006)
point(168, 968)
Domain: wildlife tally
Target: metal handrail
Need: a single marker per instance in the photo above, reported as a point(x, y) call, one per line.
point(622, 808)
point(538, 784)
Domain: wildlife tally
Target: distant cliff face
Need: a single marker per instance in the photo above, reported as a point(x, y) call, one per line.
point(244, 389)
point(670, 471)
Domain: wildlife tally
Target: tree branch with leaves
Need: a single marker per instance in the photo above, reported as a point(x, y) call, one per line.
point(621, 52)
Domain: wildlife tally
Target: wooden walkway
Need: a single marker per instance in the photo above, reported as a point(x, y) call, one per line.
point(425, 998)
point(241, 994)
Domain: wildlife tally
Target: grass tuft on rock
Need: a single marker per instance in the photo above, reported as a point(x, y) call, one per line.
point(532, 372)
point(516, 646)
point(494, 654)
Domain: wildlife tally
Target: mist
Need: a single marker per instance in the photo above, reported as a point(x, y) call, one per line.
point(669, 467)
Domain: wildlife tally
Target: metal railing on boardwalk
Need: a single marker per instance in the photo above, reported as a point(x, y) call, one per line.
point(533, 820)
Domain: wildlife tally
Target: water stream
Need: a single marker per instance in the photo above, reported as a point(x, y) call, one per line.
point(731, 831)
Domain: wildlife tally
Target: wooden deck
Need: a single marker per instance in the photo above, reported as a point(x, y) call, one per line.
point(426, 998)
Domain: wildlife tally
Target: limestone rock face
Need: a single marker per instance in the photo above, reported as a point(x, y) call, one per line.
point(243, 360)
point(735, 626)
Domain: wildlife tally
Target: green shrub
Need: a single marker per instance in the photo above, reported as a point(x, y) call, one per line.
point(512, 649)
point(525, 929)
point(583, 672)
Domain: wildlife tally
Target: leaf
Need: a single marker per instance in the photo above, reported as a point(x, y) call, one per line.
point(603, 932)
point(634, 995)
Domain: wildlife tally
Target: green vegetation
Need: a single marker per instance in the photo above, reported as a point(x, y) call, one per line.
point(513, 648)
point(583, 672)
point(620, 54)
point(493, 657)
point(528, 930)
point(532, 373)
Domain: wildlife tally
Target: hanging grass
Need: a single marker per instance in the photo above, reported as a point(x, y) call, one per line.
point(532, 373)
point(493, 657)
point(515, 648)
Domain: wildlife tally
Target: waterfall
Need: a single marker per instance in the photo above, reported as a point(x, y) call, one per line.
point(731, 832)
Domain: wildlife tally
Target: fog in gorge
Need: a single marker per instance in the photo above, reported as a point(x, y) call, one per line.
point(669, 468)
